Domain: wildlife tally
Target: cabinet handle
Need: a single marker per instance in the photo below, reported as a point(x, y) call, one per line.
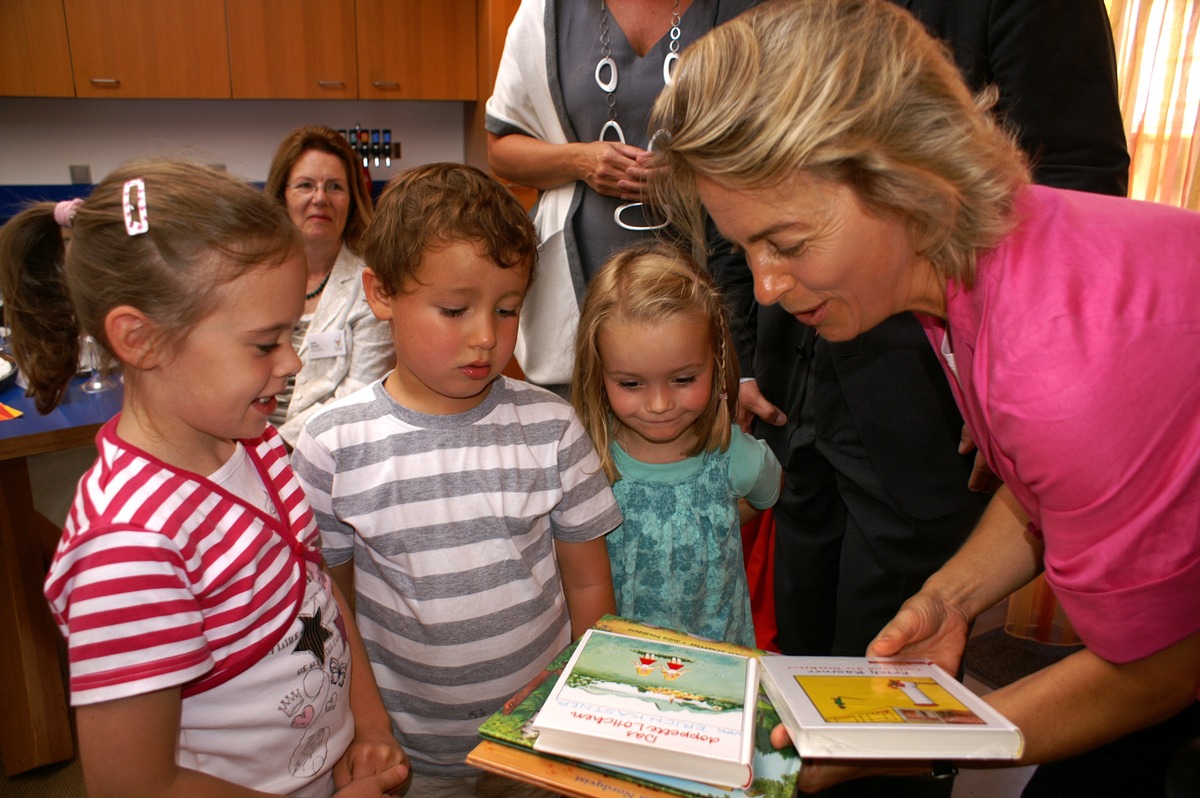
point(331, 84)
point(107, 83)
point(385, 84)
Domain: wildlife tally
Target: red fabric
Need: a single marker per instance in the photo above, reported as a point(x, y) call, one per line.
point(758, 550)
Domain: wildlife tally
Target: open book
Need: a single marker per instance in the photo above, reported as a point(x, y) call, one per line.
point(860, 708)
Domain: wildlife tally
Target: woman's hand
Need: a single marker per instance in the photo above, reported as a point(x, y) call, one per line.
point(606, 169)
point(925, 627)
point(752, 404)
point(638, 177)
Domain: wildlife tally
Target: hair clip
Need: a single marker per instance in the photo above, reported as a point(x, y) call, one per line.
point(141, 224)
point(64, 212)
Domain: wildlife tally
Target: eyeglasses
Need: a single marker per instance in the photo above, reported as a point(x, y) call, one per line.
point(332, 188)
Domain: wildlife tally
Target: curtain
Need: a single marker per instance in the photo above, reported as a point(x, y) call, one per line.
point(1159, 77)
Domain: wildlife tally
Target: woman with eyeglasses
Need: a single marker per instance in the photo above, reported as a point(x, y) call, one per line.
point(341, 344)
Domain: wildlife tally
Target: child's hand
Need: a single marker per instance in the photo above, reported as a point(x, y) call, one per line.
point(369, 755)
point(377, 785)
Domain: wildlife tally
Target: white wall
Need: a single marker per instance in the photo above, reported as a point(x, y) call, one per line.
point(40, 137)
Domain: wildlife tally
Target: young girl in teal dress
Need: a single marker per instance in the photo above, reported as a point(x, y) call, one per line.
point(655, 385)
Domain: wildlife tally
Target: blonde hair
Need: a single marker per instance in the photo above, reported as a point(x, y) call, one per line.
point(205, 229)
point(434, 205)
point(852, 91)
point(651, 283)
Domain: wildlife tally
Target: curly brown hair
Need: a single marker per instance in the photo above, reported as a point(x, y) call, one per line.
point(430, 206)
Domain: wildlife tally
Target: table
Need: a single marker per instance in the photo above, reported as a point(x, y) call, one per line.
point(35, 727)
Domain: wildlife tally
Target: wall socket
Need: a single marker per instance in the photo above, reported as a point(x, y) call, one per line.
point(81, 174)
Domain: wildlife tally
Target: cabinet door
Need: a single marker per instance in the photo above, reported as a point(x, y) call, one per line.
point(149, 48)
point(416, 49)
point(35, 59)
point(295, 49)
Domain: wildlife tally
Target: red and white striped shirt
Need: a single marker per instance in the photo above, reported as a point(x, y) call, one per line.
point(163, 578)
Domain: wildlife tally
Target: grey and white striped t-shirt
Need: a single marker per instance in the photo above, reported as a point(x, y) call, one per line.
point(451, 522)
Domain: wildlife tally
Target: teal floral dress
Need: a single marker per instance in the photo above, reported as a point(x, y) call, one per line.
point(677, 558)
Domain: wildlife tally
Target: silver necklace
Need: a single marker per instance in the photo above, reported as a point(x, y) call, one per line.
point(609, 85)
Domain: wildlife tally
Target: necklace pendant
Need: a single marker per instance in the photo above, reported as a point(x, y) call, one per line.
point(612, 124)
point(669, 68)
point(646, 224)
point(609, 85)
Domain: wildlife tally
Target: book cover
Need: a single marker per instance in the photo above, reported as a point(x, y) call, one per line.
point(860, 708)
point(671, 708)
point(507, 746)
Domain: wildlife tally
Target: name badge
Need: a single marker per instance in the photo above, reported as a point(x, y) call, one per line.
point(326, 344)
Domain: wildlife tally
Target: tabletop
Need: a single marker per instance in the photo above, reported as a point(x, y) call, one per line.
point(73, 423)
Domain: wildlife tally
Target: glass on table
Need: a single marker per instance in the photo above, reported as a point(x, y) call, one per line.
point(90, 358)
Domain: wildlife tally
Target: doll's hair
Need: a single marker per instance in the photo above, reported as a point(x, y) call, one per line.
point(204, 228)
point(652, 283)
point(432, 206)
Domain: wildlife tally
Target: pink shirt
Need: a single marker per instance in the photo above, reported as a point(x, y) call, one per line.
point(1078, 372)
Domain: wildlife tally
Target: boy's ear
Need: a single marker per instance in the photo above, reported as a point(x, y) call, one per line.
point(132, 337)
point(378, 296)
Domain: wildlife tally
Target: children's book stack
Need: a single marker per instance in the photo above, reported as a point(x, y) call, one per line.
point(639, 711)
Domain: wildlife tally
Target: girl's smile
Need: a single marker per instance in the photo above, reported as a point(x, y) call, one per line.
point(658, 378)
point(220, 382)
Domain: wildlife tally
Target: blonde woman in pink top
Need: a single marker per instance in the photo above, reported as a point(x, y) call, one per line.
point(838, 146)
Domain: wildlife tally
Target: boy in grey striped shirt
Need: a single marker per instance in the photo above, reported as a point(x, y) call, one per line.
point(464, 510)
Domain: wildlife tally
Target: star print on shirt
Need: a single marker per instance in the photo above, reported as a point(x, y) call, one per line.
point(313, 637)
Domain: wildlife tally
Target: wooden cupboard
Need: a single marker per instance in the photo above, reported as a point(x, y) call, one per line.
point(148, 48)
point(292, 49)
point(35, 57)
point(244, 49)
point(416, 49)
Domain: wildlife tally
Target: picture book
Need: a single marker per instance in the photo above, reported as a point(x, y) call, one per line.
point(860, 708)
point(508, 740)
point(659, 706)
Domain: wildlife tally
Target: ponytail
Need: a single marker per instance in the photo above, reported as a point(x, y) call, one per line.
point(37, 309)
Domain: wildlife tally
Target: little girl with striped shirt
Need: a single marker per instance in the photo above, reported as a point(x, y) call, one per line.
point(209, 652)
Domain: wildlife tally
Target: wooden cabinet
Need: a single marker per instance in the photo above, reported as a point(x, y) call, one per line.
point(246, 49)
point(416, 49)
point(35, 58)
point(149, 48)
point(293, 49)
